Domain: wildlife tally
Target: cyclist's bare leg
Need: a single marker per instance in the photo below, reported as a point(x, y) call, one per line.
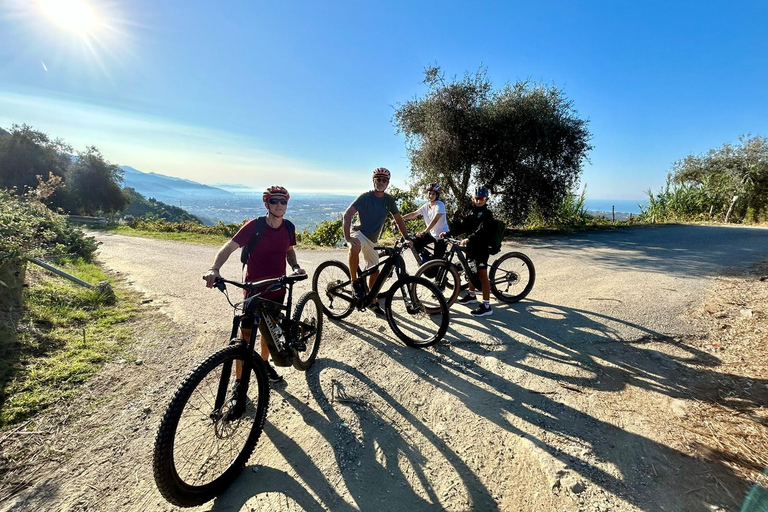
point(246, 335)
point(353, 260)
point(371, 280)
point(483, 275)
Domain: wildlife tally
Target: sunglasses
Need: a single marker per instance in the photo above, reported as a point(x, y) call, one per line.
point(480, 198)
point(383, 180)
point(275, 200)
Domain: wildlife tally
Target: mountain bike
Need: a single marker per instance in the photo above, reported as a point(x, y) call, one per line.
point(511, 276)
point(208, 433)
point(414, 307)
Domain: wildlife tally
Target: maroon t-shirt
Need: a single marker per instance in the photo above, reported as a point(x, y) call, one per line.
point(267, 258)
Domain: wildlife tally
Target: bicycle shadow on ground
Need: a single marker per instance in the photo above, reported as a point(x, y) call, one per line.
point(374, 458)
point(644, 469)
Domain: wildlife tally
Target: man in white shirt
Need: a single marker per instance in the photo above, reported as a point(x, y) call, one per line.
point(435, 220)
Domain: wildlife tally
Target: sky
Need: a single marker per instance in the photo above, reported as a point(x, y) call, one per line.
point(302, 93)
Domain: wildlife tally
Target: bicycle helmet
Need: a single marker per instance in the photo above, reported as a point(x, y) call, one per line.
point(275, 191)
point(381, 172)
point(433, 187)
point(481, 192)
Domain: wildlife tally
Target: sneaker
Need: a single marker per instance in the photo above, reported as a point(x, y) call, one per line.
point(467, 299)
point(274, 377)
point(377, 309)
point(236, 402)
point(357, 286)
point(482, 310)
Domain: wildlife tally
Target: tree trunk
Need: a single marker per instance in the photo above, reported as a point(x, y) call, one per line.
point(12, 275)
point(730, 208)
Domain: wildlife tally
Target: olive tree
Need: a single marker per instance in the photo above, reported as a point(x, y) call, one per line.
point(524, 142)
point(732, 179)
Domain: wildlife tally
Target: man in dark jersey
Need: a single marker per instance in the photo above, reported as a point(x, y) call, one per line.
point(266, 260)
point(372, 208)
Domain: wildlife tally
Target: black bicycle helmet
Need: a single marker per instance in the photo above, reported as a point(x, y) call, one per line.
point(481, 192)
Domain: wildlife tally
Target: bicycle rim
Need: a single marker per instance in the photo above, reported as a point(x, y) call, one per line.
point(336, 300)
point(512, 277)
point(202, 444)
point(307, 330)
point(417, 312)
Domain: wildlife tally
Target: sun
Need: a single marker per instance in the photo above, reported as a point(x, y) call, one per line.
point(73, 15)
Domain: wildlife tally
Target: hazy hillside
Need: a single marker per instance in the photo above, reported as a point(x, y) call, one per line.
point(168, 189)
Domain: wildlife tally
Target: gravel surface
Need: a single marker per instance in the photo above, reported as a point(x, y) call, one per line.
point(560, 402)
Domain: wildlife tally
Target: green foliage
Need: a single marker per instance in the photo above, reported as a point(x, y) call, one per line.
point(328, 234)
point(26, 153)
point(730, 179)
point(91, 186)
point(140, 206)
point(152, 223)
point(525, 142)
point(677, 203)
point(66, 334)
point(29, 228)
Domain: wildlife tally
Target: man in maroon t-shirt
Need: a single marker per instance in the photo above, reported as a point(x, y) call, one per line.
point(266, 259)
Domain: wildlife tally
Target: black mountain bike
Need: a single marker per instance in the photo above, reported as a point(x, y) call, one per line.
point(511, 275)
point(208, 432)
point(415, 309)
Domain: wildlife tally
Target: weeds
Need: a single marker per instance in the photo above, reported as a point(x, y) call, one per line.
point(65, 335)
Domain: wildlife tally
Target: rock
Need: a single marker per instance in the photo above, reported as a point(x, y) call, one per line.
point(720, 314)
point(746, 313)
point(139, 362)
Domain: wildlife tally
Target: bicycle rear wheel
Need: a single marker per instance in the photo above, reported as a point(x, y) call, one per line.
point(306, 331)
point(445, 277)
point(331, 282)
point(206, 437)
point(416, 311)
point(512, 277)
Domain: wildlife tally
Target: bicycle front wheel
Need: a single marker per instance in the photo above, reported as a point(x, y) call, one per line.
point(306, 330)
point(331, 282)
point(512, 277)
point(445, 276)
point(210, 430)
point(416, 311)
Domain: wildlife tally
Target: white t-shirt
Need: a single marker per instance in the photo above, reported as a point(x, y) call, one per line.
point(430, 212)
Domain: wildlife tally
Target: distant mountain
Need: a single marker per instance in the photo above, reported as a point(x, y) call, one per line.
point(237, 189)
point(4, 133)
point(167, 188)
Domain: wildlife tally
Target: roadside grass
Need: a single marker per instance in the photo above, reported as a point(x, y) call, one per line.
point(65, 335)
point(194, 238)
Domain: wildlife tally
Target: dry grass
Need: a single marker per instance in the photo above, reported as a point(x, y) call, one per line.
point(732, 425)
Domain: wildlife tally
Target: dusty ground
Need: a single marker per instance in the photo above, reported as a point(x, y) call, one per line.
point(493, 422)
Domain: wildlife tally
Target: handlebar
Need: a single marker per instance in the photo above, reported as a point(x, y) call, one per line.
point(274, 282)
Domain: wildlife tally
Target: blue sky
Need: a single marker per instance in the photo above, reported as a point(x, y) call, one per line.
point(303, 93)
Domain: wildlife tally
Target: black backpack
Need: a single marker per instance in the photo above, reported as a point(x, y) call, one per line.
point(261, 223)
point(498, 236)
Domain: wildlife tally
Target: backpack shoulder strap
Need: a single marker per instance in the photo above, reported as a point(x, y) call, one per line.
point(291, 231)
point(260, 223)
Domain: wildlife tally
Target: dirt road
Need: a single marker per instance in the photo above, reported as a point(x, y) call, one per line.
point(561, 402)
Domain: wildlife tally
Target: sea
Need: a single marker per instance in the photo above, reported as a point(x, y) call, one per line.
point(307, 210)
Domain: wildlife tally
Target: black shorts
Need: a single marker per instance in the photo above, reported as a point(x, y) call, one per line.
point(479, 255)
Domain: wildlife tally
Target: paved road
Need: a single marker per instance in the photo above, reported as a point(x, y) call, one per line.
point(632, 281)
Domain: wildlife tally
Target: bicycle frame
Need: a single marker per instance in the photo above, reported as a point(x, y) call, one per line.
point(263, 308)
point(460, 253)
point(393, 261)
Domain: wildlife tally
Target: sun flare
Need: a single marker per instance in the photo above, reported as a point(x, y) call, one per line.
point(72, 15)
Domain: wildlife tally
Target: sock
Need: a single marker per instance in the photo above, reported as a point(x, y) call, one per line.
point(487, 304)
point(471, 294)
